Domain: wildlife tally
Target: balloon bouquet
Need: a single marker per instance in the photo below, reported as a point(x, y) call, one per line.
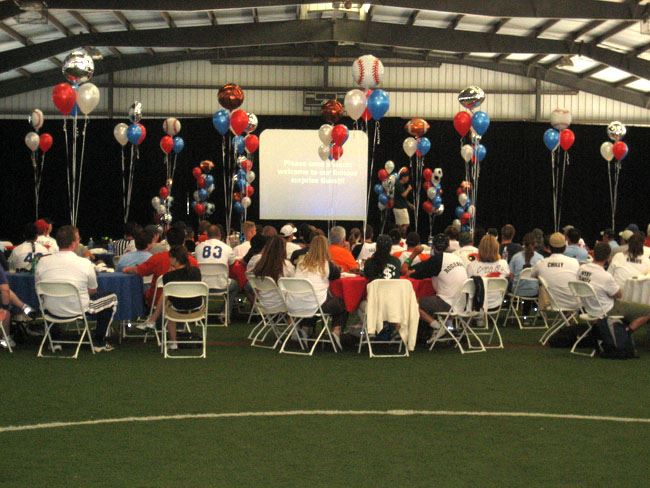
point(419, 146)
point(465, 210)
point(134, 134)
point(78, 95)
point(204, 187)
point(170, 142)
point(385, 190)
point(237, 121)
point(242, 181)
point(34, 142)
point(560, 136)
point(433, 188)
point(475, 123)
point(609, 151)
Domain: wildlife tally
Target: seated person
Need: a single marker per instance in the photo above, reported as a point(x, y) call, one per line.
point(307, 236)
point(382, 265)
point(215, 251)
point(467, 251)
point(396, 239)
point(143, 242)
point(453, 233)
point(190, 242)
point(631, 262)
point(272, 262)
point(288, 232)
point(66, 266)
point(8, 298)
point(257, 244)
point(608, 292)
point(338, 252)
point(507, 248)
point(364, 250)
point(489, 265)
point(28, 252)
point(525, 259)
point(413, 253)
point(44, 227)
point(573, 249)
point(127, 243)
point(609, 236)
point(249, 229)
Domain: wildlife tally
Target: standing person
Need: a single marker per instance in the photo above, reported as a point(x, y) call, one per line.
point(632, 262)
point(24, 255)
point(401, 203)
point(127, 243)
point(66, 266)
point(489, 265)
point(44, 227)
point(317, 267)
point(527, 258)
point(508, 249)
point(382, 265)
point(249, 230)
point(364, 251)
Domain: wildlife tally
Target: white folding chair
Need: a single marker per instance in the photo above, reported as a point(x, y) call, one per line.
point(272, 311)
point(493, 287)
point(5, 336)
point(303, 291)
point(563, 316)
point(462, 315)
point(217, 276)
point(126, 325)
point(591, 311)
point(198, 317)
point(517, 302)
point(384, 290)
point(55, 290)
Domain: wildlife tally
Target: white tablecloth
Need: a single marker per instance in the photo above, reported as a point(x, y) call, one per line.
point(637, 290)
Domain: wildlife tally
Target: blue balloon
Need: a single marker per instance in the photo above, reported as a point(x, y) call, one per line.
point(133, 134)
point(238, 144)
point(551, 139)
point(378, 189)
point(464, 228)
point(383, 199)
point(239, 208)
point(221, 121)
point(480, 152)
point(467, 205)
point(179, 144)
point(75, 110)
point(459, 212)
point(480, 122)
point(424, 145)
point(378, 103)
point(203, 194)
point(209, 180)
point(437, 201)
point(241, 174)
point(242, 185)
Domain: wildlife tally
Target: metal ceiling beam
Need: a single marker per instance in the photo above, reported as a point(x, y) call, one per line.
point(591, 71)
point(498, 24)
point(625, 81)
point(611, 32)
point(168, 19)
point(412, 17)
point(16, 36)
point(552, 9)
point(454, 23)
point(83, 22)
point(129, 27)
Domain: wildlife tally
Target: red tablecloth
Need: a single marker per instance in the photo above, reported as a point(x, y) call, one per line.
point(238, 273)
point(352, 290)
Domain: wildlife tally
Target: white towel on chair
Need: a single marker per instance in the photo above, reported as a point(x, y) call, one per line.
point(395, 303)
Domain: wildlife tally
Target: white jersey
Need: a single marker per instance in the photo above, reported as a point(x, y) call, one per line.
point(23, 255)
point(241, 250)
point(453, 245)
point(48, 242)
point(558, 270)
point(451, 277)
point(465, 252)
point(603, 284)
point(292, 247)
point(623, 267)
point(497, 269)
point(214, 251)
point(67, 267)
point(367, 250)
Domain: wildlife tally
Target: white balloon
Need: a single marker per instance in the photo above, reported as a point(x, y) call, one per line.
point(36, 118)
point(162, 209)
point(431, 193)
point(606, 151)
point(32, 140)
point(466, 152)
point(410, 146)
point(462, 199)
point(170, 199)
point(440, 209)
point(120, 133)
point(325, 133)
point(355, 103)
point(389, 166)
point(381, 206)
point(250, 176)
point(246, 202)
point(171, 126)
point(456, 223)
point(87, 98)
point(155, 202)
point(195, 196)
point(560, 118)
point(437, 173)
point(324, 152)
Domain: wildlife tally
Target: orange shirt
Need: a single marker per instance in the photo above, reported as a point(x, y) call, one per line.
point(342, 258)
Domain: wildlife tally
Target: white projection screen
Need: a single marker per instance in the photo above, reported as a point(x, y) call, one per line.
point(296, 185)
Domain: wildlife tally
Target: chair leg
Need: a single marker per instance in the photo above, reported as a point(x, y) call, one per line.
point(582, 336)
point(6, 337)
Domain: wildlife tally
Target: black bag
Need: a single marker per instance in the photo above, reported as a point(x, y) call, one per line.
point(566, 337)
point(615, 340)
point(479, 294)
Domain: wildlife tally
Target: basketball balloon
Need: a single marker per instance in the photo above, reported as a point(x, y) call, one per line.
point(230, 96)
point(332, 110)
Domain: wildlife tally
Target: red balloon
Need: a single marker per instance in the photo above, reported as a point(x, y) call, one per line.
point(427, 174)
point(164, 192)
point(252, 143)
point(64, 98)
point(336, 151)
point(567, 138)
point(620, 150)
point(199, 208)
point(166, 144)
point(143, 135)
point(382, 174)
point(339, 134)
point(462, 123)
point(45, 142)
point(196, 172)
point(250, 190)
point(200, 181)
point(236, 197)
point(390, 204)
point(465, 218)
point(426, 185)
point(366, 115)
point(427, 206)
point(247, 165)
point(238, 121)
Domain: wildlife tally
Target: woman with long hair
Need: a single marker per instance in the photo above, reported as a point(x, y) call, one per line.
point(633, 262)
point(317, 267)
point(489, 265)
point(272, 262)
point(354, 238)
point(527, 258)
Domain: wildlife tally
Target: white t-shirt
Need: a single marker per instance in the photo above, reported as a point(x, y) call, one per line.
point(453, 245)
point(242, 249)
point(291, 248)
point(395, 248)
point(48, 242)
point(451, 278)
point(367, 250)
point(23, 255)
point(497, 269)
point(404, 255)
point(464, 253)
point(603, 284)
point(623, 267)
point(214, 251)
point(321, 284)
point(558, 270)
point(66, 266)
point(271, 299)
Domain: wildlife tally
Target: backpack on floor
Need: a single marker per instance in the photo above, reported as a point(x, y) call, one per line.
point(615, 339)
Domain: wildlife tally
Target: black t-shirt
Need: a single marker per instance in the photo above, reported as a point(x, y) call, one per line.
point(398, 200)
point(295, 255)
point(356, 250)
point(190, 245)
point(391, 269)
point(509, 250)
point(187, 273)
point(429, 268)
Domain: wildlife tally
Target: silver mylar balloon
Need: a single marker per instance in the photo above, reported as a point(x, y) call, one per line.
point(78, 67)
point(476, 138)
point(616, 130)
point(135, 112)
point(252, 122)
point(471, 97)
point(166, 218)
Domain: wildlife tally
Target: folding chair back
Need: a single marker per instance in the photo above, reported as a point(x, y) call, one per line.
point(126, 325)
point(199, 317)
point(525, 275)
point(551, 296)
point(215, 275)
point(591, 306)
point(268, 294)
point(270, 306)
point(463, 303)
point(495, 286)
point(563, 318)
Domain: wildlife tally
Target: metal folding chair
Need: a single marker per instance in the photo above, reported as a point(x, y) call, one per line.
point(563, 316)
point(493, 286)
point(517, 301)
point(217, 276)
point(198, 317)
point(126, 326)
point(273, 316)
point(303, 290)
point(59, 290)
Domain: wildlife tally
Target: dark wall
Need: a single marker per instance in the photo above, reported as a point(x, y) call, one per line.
point(515, 182)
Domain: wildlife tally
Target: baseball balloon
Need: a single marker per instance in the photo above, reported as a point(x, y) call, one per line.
point(367, 71)
point(560, 118)
point(171, 126)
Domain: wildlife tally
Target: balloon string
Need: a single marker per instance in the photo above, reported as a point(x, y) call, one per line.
point(377, 133)
point(565, 163)
point(372, 165)
point(615, 201)
point(67, 159)
point(81, 165)
point(75, 135)
point(130, 184)
point(225, 177)
point(123, 185)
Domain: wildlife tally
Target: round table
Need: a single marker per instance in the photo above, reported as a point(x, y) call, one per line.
point(637, 290)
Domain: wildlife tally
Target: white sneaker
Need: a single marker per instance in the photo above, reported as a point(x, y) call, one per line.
point(148, 325)
point(104, 348)
point(172, 346)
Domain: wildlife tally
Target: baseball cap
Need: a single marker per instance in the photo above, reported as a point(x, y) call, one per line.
point(288, 230)
point(557, 240)
point(626, 234)
point(42, 226)
point(633, 228)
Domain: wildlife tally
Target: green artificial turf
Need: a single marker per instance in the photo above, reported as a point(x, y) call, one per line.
point(321, 450)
